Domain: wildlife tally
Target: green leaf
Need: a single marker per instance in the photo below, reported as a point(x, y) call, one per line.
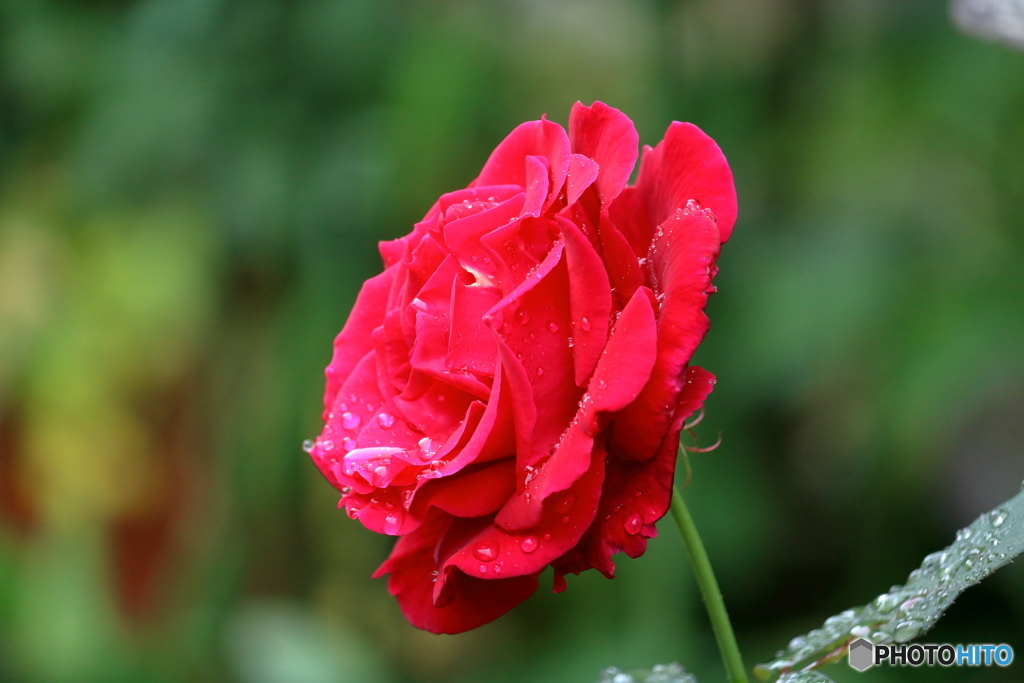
point(660, 673)
point(905, 612)
point(805, 677)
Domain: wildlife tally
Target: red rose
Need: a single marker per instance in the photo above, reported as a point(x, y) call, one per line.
point(508, 393)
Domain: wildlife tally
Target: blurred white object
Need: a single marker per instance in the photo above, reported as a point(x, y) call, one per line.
point(1001, 20)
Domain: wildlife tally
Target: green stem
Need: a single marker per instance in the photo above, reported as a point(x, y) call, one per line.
point(709, 590)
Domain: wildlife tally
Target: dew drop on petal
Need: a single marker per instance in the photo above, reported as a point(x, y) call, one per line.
point(483, 568)
point(486, 552)
point(348, 443)
point(565, 504)
point(386, 420)
point(522, 316)
point(634, 524)
point(308, 445)
point(565, 519)
point(349, 420)
point(353, 512)
point(547, 537)
point(540, 371)
point(345, 490)
point(328, 445)
point(391, 525)
point(497, 569)
point(528, 544)
point(585, 324)
point(552, 326)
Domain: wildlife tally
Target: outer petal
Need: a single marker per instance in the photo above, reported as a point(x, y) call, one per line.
point(687, 165)
point(636, 494)
point(680, 265)
point(469, 602)
point(497, 552)
point(607, 136)
point(354, 341)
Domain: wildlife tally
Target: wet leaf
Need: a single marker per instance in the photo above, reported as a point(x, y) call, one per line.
point(660, 673)
point(907, 611)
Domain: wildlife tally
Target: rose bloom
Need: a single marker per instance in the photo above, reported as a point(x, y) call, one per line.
point(508, 394)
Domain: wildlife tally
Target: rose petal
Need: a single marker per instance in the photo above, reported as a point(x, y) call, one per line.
point(463, 238)
point(620, 375)
point(583, 171)
point(628, 213)
point(636, 494)
point(607, 136)
point(538, 332)
point(522, 245)
point(686, 165)
point(471, 602)
point(564, 520)
point(489, 486)
point(471, 346)
point(354, 341)
point(432, 406)
point(507, 163)
point(590, 299)
point(680, 265)
point(537, 179)
point(620, 260)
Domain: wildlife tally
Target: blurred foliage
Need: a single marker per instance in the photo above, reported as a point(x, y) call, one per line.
point(190, 195)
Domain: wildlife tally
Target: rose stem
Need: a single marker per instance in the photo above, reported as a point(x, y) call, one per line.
point(709, 590)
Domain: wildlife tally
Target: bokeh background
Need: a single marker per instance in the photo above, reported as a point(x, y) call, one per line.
point(190, 195)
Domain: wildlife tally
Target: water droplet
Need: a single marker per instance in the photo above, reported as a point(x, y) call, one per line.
point(552, 326)
point(328, 445)
point(353, 512)
point(528, 544)
point(421, 305)
point(638, 493)
point(386, 420)
point(486, 552)
point(907, 630)
point(571, 342)
point(391, 524)
point(634, 524)
point(483, 568)
point(565, 504)
point(425, 443)
point(349, 420)
point(546, 537)
point(497, 569)
point(522, 316)
point(308, 445)
point(348, 443)
point(565, 519)
point(345, 490)
point(540, 371)
point(997, 517)
point(887, 602)
point(585, 324)
point(434, 575)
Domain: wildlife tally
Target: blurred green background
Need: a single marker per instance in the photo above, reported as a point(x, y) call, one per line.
point(190, 195)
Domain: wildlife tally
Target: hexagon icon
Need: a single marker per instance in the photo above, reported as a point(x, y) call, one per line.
point(862, 654)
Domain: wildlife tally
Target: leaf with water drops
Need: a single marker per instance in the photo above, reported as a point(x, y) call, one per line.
point(659, 673)
point(805, 677)
point(907, 611)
